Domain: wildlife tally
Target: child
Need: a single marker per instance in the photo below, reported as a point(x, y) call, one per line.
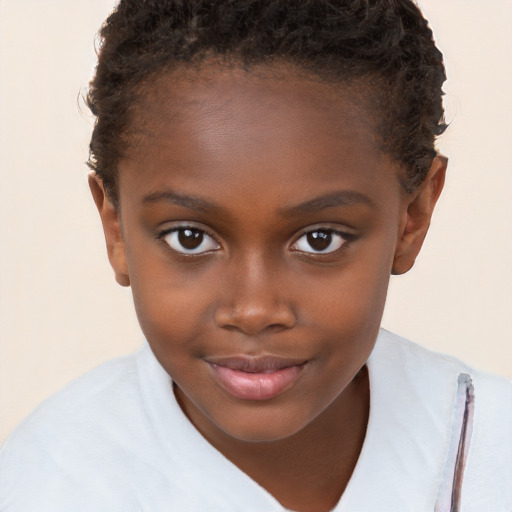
point(260, 169)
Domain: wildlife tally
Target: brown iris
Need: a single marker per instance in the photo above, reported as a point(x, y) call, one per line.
point(190, 238)
point(319, 240)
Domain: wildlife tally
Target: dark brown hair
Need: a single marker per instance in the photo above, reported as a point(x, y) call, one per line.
point(385, 45)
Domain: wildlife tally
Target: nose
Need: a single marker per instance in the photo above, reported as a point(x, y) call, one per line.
point(254, 299)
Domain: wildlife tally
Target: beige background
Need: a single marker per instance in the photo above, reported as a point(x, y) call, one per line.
point(60, 310)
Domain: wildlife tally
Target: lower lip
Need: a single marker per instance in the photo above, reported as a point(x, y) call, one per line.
point(256, 386)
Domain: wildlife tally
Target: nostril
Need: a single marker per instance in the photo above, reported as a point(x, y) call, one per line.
point(255, 320)
point(277, 327)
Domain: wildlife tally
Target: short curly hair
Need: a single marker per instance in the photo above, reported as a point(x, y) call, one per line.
point(385, 45)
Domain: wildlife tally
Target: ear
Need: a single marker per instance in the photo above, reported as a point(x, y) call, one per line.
point(417, 215)
point(112, 229)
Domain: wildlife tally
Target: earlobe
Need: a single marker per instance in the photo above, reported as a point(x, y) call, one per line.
point(417, 215)
point(111, 228)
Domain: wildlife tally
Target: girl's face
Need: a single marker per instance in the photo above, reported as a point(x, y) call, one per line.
point(259, 226)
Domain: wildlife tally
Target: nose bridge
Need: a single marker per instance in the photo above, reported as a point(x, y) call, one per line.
point(254, 295)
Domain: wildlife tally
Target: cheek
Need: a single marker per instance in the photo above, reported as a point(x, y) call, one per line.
point(172, 305)
point(350, 298)
point(345, 310)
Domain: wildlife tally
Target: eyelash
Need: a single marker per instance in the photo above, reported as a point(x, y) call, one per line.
point(347, 238)
point(176, 231)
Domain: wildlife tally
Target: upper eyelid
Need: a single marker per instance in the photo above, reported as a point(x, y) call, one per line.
point(162, 238)
point(190, 225)
point(347, 237)
point(338, 231)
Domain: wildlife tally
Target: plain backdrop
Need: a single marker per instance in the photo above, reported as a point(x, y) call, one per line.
point(61, 312)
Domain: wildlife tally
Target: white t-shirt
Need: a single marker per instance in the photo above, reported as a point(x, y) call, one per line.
point(116, 440)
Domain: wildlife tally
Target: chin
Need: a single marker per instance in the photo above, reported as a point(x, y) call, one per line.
point(261, 428)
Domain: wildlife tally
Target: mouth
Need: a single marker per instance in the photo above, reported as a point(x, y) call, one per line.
point(256, 378)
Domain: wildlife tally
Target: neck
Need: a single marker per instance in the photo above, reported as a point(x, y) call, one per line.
point(309, 470)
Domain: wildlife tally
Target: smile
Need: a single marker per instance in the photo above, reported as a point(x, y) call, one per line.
point(260, 378)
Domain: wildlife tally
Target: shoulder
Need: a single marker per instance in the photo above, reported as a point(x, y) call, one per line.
point(78, 427)
point(424, 368)
point(432, 378)
point(401, 352)
point(90, 399)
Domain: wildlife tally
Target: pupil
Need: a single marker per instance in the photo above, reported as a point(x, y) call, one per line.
point(190, 238)
point(319, 240)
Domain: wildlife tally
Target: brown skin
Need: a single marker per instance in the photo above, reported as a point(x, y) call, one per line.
point(253, 148)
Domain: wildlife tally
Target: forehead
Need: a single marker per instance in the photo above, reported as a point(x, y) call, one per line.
point(268, 123)
point(251, 99)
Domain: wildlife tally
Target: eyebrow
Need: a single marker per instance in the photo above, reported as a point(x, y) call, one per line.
point(331, 200)
point(190, 202)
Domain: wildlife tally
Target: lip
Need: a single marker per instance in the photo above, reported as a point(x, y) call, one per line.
point(256, 378)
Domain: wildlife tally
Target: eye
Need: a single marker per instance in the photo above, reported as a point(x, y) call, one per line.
point(319, 241)
point(190, 240)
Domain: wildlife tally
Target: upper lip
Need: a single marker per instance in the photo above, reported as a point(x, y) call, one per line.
point(255, 364)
